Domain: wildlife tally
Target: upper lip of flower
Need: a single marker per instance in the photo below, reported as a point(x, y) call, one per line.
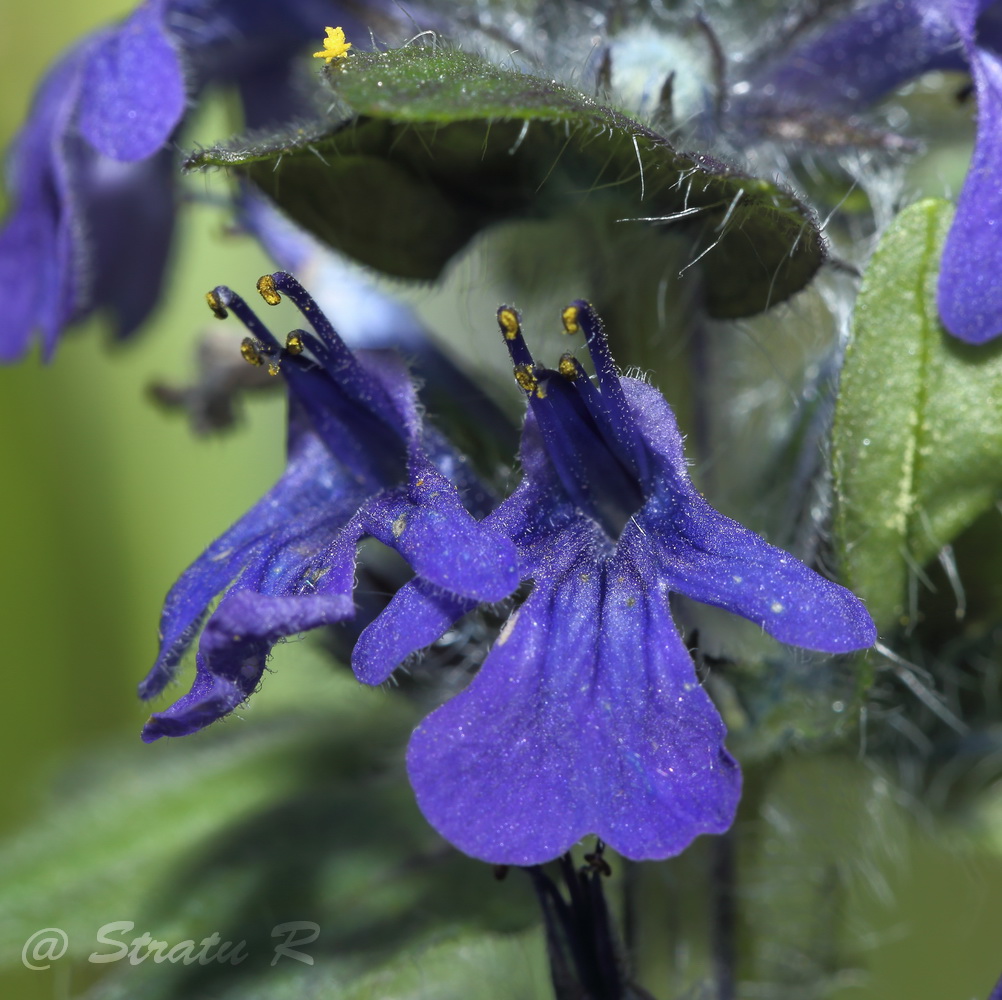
point(587, 429)
point(350, 409)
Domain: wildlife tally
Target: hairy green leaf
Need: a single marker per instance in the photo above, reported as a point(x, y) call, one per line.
point(918, 423)
point(433, 145)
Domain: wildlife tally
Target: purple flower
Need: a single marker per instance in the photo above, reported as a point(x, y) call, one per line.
point(65, 251)
point(91, 174)
point(860, 58)
point(587, 715)
point(360, 463)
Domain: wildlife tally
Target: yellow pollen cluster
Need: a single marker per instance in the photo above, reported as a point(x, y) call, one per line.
point(570, 318)
point(218, 309)
point(525, 378)
point(508, 321)
point(266, 286)
point(335, 46)
point(250, 353)
point(567, 368)
point(294, 343)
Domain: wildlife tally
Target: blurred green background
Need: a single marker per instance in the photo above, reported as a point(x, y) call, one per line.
point(106, 498)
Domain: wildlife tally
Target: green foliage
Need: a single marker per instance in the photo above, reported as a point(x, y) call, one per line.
point(434, 145)
point(301, 814)
point(918, 424)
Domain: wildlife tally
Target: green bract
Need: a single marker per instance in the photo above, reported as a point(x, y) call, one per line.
point(918, 424)
point(434, 144)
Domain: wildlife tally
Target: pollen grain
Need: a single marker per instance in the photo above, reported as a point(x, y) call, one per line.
point(268, 291)
point(508, 321)
point(250, 353)
point(526, 380)
point(217, 307)
point(570, 318)
point(335, 46)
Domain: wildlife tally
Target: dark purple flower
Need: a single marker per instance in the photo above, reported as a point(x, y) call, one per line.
point(587, 716)
point(997, 992)
point(360, 463)
point(91, 174)
point(860, 58)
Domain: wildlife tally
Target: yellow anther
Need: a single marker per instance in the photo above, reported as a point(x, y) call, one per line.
point(273, 368)
point(567, 368)
point(540, 390)
point(335, 46)
point(218, 309)
point(525, 378)
point(570, 318)
point(266, 286)
point(294, 343)
point(250, 353)
point(508, 321)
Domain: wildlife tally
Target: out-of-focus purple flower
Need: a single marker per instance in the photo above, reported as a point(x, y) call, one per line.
point(587, 716)
point(864, 55)
point(65, 250)
point(997, 992)
point(91, 176)
point(360, 463)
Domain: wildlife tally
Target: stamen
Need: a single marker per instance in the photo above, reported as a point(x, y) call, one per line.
point(347, 404)
point(511, 328)
point(572, 370)
point(261, 349)
point(333, 348)
point(571, 414)
point(222, 298)
point(580, 316)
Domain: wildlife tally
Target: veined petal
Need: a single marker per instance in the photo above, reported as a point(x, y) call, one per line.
point(585, 718)
point(133, 95)
point(710, 558)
